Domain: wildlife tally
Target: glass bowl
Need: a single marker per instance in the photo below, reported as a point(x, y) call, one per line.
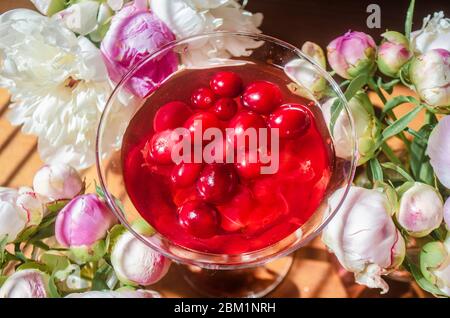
point(209, 51)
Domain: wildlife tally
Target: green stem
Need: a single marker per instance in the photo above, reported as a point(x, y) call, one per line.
point(390, 154)
point(373, 86)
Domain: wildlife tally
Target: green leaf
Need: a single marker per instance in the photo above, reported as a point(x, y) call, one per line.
point(3, 279)
point(57, 205)
point(376, 170)
point(427, 173)
point(112, 236)
point(52, 288)
point(19, 254)
point(33, 265)
point(398, 169)
point(55, 261)
point(336, 109)
point(100, 192)
point(3, 242)
point(389, 86)
point(420, 279)
point(399, 125)
point(418, 159)
point(43, 233)
point(101, 276)
point(355, 85)
point(26, 234)
point(397, 101)
point(409, 19)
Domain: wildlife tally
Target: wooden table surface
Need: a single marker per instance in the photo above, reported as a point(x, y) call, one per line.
point(314, 274)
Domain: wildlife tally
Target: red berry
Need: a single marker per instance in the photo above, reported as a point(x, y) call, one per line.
point(292, 120)
point(199, 122)
point(203, 98)
point(170, 116)
point(226, 84)
point(225, 108)
point(235, 213)
point(262, 96)
point(198, 219)
point(240, 123)
point(217, 182)
point(185, 174)
point(161, 146)
point(249, 166)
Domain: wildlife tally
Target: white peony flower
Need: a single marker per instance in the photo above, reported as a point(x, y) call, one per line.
point(435, 34)
point(421, 209)
point(363, 236)
point(27, 283)
point(366, 125)
point(57, 182)
point(435, 264)
point(123, 293)
point(13, 220)
point(311, 84)
point(135, 263)
point(438, 150)
point(430, 74)
point(49, 7)
point(30, 202)
point(191, 17)
point(59, 87)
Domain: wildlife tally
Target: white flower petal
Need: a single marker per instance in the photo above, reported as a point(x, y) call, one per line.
point(80, 17)
point(363, 236)
point(193, 17)
point(180, 16)
point(59, 87)
point(435, 34)
point(438, 150)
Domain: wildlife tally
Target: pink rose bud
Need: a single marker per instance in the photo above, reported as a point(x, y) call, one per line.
point(393, 53)
point(57, 181)
point(135, 263)
point(27, 283)
point(352, 54)
point(83, 221)
point(135, 33)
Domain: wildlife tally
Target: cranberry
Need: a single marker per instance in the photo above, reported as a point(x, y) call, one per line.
point(292, 120)
point(201, 121)
point(225, 108)
point(170, 116)
point(226, 84)
point(185, 174)
point(203, 98)
point(262, 96)
point(235, 213)
point(217, 182)
point(198, 219)
point(241, 122)
point(161, 146)
point(249, 166)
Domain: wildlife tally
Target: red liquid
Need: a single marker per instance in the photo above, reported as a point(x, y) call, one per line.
point(260, 209)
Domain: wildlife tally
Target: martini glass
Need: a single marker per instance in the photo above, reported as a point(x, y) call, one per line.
point(253, 273)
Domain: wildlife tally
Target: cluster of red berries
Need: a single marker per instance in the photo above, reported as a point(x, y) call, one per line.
point(226, 103)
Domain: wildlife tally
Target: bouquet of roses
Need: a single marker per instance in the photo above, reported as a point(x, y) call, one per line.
point(60, 67)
